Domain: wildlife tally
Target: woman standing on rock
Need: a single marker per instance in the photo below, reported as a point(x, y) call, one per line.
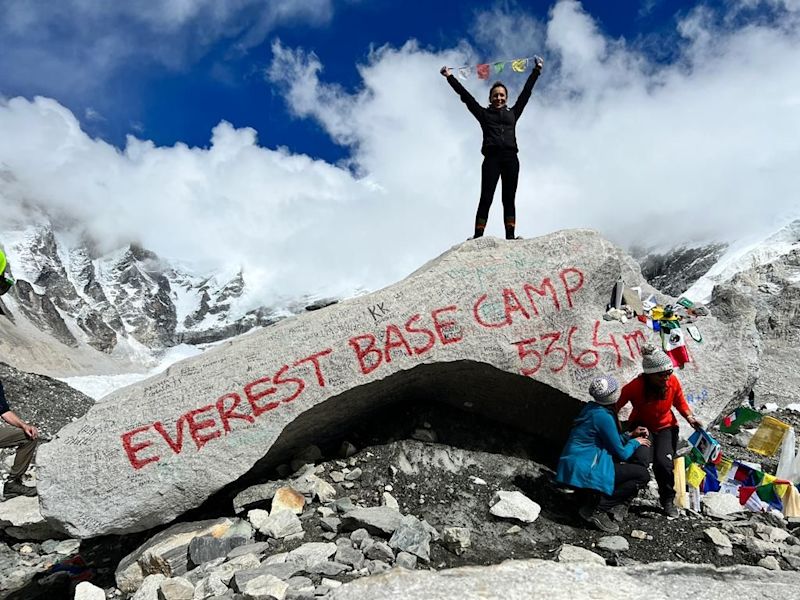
point(498, 123)
point(591, 460)
point(653, 394)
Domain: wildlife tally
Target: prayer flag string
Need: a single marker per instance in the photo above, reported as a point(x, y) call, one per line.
point(484, 70)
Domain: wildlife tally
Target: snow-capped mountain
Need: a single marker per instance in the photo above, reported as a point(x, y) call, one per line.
point(129, 303)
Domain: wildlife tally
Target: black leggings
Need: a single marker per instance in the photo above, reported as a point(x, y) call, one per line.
point(661, 453)
point(494, 167)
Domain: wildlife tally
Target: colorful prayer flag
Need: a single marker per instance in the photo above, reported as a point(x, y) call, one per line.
point(483, 71)
point(695, 476)
point(519, 65)
point(498, 67)
point(463, 72)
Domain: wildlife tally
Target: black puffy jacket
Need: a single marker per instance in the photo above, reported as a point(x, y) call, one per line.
point(498, 125)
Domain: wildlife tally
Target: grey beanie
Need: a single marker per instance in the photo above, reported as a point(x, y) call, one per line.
point(605, 390)
point(655, 360)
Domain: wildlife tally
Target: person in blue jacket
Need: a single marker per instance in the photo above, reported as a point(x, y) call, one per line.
point(592, 458)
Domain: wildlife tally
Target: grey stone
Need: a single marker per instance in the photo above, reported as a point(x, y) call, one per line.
point(312, 552)
point(67, 547)
point(569, 581)
point(347, 449)
point(330, 523)
point(412, 536)
point(281, 525)
point(343, 505)
point(770, 562)
point(375, 567)
point(21, 519)
point(254, 548)
point(390, 501)
point(226, 570)
point(457, 539)
point(210, 586)
point(167, 552)
point(358, 536)
point(149, 588)
point(282, 571)
point(301, 583)
point(205, 548)
point(264, 587)
point(328, 567)
point(514, 505)
point(379, 551)
point(613, 543)
point(354, 475)
point(377, 520)
point(721, 504)
point(576, 554)
point(137, 477)
point(406, 561)
point(256, 495)
point(349, 556)
point(760, 547)
point(87, 591)
point(176, 588)
point(719, 538)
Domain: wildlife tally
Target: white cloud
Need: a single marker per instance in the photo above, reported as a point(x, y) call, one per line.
point(705, 147)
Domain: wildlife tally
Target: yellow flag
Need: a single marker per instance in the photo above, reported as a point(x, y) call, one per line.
point(695, 476)
point(768, 479)
point(723, 467)
point(519, 65)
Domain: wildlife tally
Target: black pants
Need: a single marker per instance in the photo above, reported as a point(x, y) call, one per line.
point(629, 478)
point(494, 167)
point(661, 454)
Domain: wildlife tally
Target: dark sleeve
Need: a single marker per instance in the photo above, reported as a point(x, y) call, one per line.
point(525, 94)
point(472, 104)
point(4, 408)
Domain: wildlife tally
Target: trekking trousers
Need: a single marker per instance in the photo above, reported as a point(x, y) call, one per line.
point(496, 166)
point(26, 450)
point(661, 454)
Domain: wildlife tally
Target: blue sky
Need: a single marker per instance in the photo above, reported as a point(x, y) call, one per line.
point(166, 89)
point(264, 135)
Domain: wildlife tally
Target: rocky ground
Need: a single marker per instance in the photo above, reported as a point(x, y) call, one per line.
point(439, 465)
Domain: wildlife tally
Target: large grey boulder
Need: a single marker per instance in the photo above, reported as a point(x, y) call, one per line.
point(511, 330)
point(567, 581)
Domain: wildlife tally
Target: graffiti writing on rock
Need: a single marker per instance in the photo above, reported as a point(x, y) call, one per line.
point(147, 444)
point(405, 339)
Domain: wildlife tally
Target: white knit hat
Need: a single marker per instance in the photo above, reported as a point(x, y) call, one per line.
point(605, 390)
point(655, 360)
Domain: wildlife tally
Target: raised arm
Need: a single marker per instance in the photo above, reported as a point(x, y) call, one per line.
point(527, 89)
point(472, 104)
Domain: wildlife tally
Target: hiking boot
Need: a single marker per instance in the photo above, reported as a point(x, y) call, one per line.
point(13, 488)
point(671, 511)
point(619, 512)
point(599, 519)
